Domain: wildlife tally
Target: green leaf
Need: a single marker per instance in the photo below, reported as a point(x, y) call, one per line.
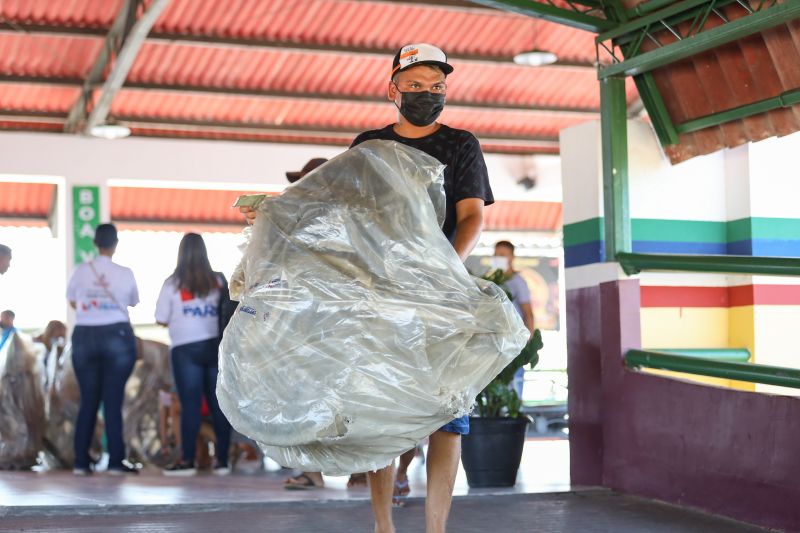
point(497, 399)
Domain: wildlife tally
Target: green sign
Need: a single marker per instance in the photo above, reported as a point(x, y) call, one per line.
point(85, 219)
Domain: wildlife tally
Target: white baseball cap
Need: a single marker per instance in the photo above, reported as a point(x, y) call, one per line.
point(412, 55)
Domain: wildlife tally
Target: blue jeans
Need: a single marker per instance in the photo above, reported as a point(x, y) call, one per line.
point(194, 367)
point(459, 425)
point(103, 358)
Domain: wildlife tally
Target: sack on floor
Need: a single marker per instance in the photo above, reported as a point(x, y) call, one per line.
point(21, 403)
point(359, 331)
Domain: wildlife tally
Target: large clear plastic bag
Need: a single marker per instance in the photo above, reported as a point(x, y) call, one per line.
point(21, 403)
point(359, 331)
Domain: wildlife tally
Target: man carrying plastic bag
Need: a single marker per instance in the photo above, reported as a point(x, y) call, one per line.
point(377, 335)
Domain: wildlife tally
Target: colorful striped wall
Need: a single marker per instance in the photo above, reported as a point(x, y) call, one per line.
point(734, 202)
point(761, 317)
point(658, 437)
point(775, 237)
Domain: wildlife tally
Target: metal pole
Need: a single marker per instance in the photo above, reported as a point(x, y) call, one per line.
point(769, 375)
point(127, 55)
point(614, 131)
point(731, 264)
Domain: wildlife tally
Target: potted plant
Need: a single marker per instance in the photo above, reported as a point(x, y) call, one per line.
point(492, 451)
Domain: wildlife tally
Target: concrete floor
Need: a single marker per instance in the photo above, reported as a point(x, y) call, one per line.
point(541, 501)
point(544, 468)
point(588, 511)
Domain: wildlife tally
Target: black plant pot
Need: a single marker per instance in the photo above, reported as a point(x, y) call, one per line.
point(492, 451)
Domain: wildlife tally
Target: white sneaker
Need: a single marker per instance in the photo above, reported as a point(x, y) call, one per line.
point(221, 471)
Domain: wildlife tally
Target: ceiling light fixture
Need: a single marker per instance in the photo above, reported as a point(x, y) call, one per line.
point(110, 131)
point(535, 58)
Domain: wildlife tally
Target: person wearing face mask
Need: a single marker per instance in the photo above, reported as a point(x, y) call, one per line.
point(418, 87)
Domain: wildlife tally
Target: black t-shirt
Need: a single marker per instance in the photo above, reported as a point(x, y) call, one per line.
point(465, 175)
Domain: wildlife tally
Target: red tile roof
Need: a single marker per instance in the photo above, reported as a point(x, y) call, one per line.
point(315, 71)
point(182, 206)
point(523, 216)
point(138, 204)
point(754, 68)
point(26, 200)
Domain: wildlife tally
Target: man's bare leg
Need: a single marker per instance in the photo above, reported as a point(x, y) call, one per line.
point(444, 452)
point(401, 489)
point(405, 462)
point(381, 484)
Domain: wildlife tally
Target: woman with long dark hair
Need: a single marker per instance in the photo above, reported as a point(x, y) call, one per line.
point(190, 305)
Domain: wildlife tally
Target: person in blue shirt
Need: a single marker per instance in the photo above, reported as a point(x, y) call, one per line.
point(6, 326)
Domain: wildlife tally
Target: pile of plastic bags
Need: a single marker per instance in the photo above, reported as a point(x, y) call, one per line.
point(359, 331)
point(21, 403)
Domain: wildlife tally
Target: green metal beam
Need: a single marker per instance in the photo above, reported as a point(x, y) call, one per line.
point(656, 108)
point(706, 40)
point(633, 263)
point(647, 7)
point(642, 22)
point(646, 85)
point(544, 11)
point(768, 375)
point(786, 99)
point(741, 355)
point(614, 129)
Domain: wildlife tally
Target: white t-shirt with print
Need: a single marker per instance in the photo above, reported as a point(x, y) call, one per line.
point(189, 318)
point(102, 298)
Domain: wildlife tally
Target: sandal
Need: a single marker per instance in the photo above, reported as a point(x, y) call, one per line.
point(401, 492)
point(300, 482)
point(357, 480)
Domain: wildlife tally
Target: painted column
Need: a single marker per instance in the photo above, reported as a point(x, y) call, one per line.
point(86, 205)
point(769, 226)
point(584, 253)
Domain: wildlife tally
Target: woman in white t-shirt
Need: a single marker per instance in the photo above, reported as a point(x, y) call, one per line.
point(189, 305)
point(103, 347)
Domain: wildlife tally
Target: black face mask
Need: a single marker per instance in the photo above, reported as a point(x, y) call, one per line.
point(422, 108)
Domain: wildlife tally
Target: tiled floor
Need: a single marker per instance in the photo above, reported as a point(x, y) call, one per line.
point(590, 511)
point(256, 502)
point(545, 468)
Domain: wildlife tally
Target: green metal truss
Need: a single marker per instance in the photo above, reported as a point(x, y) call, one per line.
point(645, 84)
point(622, 32)
point(621, 36)
point(693, 40)
point(579, 15)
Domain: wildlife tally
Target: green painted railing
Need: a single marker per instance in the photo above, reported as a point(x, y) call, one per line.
point(633, 263)
point(741, 355)
point(754, 373)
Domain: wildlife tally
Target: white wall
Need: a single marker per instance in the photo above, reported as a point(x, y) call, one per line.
point(218, 164)
point(692, 190)
point(775, 178)
point(42, 263)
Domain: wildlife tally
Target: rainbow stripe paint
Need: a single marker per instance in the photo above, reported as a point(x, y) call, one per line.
point(774, 237)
